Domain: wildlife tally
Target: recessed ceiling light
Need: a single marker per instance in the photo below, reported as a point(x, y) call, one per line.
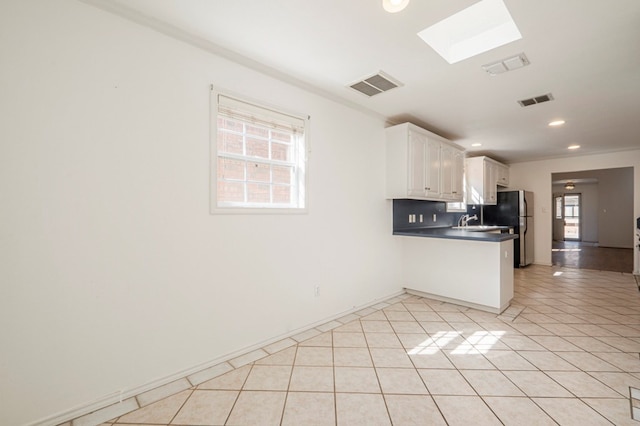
point(573, 147)
point(474, 30)
point(557, 123)
point(476, 144)
point(393, 6)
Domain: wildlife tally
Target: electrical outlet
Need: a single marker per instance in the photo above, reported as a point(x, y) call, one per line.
point(316, 291)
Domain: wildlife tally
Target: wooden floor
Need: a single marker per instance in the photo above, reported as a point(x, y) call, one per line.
point(575, 254)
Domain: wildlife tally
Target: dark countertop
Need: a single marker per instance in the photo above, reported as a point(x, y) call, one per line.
point(455, 234)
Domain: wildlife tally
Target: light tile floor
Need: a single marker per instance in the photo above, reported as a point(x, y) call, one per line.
point(566, 352)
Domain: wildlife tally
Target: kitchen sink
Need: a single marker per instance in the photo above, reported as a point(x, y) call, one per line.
point(478, 228)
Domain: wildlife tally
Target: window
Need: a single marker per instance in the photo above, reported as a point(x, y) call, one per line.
point(559, 208)
point(259, 158)
point(456, 207)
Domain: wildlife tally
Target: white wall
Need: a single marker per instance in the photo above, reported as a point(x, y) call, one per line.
point(536, 176)
point(113, 273)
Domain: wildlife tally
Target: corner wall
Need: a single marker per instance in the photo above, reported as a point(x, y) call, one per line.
point(113, 272)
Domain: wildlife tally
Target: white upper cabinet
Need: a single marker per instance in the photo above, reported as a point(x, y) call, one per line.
point(483, 176)
point(422, 165)
point(423, 161)
point(503, 175)
point(452, 163)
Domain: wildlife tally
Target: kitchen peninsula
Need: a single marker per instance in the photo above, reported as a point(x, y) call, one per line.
point(424, 173)
point(468, 268)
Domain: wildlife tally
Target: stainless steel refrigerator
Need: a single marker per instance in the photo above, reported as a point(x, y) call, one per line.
point(515, 209)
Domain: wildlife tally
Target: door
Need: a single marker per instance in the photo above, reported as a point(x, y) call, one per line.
point(571, 209)
point(526, 240)
point(558, 217)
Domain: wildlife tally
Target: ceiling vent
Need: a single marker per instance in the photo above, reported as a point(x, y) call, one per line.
point(375, 84)
point(536, 100)
point(506, 64)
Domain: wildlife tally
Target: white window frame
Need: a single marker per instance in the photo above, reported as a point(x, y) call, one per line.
point(224, 102)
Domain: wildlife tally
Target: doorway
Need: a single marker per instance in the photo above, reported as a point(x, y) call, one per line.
point(590, 210)
point(571, 214)
point(568, 217)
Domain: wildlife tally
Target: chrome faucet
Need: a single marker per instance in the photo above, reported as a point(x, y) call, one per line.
point(465, 218)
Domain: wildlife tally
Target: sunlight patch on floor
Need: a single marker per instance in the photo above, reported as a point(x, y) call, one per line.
point(479, 342)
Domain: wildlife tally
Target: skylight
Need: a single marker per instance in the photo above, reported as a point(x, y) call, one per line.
point(474, 30)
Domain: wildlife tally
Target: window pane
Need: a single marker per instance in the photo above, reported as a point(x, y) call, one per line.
point(230, 191)
point(258, 193)
point(230, 143)
point(257, 147)
point(282, 194)
point(230, 124)
point(230, 169)
point(280, 136)
point(258, 172)
point(280, 152)
point(282, 174)
point(257, 131)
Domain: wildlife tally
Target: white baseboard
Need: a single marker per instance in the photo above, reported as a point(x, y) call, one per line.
point(123, 396)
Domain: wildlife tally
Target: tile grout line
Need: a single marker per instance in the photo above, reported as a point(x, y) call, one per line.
point(382, 306)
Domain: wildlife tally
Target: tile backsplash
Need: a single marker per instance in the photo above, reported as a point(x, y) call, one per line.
point(427, 210)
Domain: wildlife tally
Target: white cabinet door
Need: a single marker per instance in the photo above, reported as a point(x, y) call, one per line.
point(446, 162)
point(482, 174)
point(503, 175)
point(452, 163)
point(490, 183)
point(457, 187)
point(417, 160)
point(432, 172)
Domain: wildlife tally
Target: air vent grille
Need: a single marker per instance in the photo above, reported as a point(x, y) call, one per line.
point(536, 100)
point(375, 84)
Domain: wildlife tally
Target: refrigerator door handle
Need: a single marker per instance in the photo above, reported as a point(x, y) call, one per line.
point(523, 237)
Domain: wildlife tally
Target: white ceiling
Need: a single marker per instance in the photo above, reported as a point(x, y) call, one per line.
point(585, 52)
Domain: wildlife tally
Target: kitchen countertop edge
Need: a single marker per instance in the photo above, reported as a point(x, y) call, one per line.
point(455, 234)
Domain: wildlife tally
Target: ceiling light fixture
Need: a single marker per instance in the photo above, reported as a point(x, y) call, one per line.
point(507, 64)
point(476, 144)
point(573, 147)
point(557, 123)
point(474, 30)
point(569, 186)
point(393, 6)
